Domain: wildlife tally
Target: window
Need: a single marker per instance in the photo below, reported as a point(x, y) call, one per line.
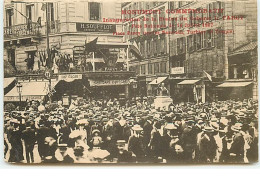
point(163, 48)
point(210, 12)
point(143, 69)
point(29, 11)
point(142, 26)
point(155, 20)
point(154, 46)
point(148, 22)
point(209, 39)
point(137, 69)
point(94, 11)
point(148, 48)
point(157, 67)
point(190, 43)
point(181, 45)
point(51, 11)
point(163, 67)
point(174, 24)
point(150, 68)
point(9, 14)
point(198, 41)
point(219, 39)
point(162, 18)
point(172, 5)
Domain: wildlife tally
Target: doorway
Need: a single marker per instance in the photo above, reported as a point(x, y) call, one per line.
point(11, 57)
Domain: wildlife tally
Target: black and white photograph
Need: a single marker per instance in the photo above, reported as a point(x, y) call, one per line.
point(130, 82)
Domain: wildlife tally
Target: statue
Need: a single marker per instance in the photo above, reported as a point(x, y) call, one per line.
point(162, 91)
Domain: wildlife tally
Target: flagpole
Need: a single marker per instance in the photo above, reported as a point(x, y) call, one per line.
point(47, 45)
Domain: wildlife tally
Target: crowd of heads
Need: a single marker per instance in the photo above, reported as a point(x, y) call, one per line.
point(136, 132)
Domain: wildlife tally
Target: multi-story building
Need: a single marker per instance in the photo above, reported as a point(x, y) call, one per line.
point(71, 25)
point(207, 34)
point(147, 30)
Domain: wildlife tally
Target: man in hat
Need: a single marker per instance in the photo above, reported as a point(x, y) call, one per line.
point(136, 143)
point(155, 141)
point(28, 135)
point(236, 151)
point(189, 137)
point(171, 133)
point(207, 146)
point(123, 156)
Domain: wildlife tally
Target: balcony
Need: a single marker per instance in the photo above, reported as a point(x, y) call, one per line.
point(21, 30)
point(33, 30)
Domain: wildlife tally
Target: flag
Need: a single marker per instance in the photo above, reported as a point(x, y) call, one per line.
point(208, 75)
point(39, 21)
point(134, 49)
point(91, 46)
point(43, 8)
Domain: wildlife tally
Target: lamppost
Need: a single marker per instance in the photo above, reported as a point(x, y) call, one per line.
point(19, 87)
point(134, 86)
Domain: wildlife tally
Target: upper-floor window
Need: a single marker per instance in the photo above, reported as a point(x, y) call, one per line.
point(51, 11)
point(94, 9)
point(29, 12)
point(9, 14)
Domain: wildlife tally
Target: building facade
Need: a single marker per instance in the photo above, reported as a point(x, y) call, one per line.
point(66, 28)
point(192, 47)
point(210, 34)
point(151, 40)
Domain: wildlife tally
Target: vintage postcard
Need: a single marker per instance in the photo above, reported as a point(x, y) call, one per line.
point(130, 82)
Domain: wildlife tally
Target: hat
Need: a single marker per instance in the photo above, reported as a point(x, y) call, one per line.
point(170, 126)
point(95, 130)
point(237, 127)
point(208, 129)
point(121, 142)
point(137, 128)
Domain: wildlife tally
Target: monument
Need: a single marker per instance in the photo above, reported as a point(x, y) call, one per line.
point(162, 100)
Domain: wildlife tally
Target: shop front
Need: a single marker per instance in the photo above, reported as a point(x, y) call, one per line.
point(235, 89)
point(191, 90)
point(108, 88)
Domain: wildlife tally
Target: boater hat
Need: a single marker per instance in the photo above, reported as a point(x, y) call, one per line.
point(137, 128)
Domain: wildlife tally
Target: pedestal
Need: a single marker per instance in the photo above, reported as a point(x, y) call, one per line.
point(162, 102)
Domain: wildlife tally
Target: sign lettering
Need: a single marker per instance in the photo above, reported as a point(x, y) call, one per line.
point(95, 27)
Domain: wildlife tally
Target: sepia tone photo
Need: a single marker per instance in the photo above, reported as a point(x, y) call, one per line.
point(137, 82)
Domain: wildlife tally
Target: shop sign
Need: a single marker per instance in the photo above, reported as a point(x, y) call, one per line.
point(23, 98)
point(95, 27)
point(70, 77)
point(30, 48)
point(65, 100)
point(108, 82)
point(177, 70)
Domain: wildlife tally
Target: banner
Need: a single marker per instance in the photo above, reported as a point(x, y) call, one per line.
point(108, 82)
point(70, 77)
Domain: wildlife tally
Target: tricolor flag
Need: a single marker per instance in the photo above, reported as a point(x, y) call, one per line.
point(208, 75)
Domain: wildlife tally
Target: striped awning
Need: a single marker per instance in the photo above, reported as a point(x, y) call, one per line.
point(235, 84)
point(188, 82)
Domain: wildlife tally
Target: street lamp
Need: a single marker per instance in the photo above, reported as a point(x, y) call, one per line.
point(19, 87)
point(134, 86)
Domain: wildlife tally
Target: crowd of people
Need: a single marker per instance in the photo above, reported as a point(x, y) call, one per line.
point(90, 131)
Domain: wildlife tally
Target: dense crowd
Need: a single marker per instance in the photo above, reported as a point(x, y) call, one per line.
point(107, 131)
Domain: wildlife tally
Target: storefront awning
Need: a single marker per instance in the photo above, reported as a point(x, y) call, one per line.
point(188, 82)
point(235, 84)
point(33, 90)
point(8, 81)
point(157, 80)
